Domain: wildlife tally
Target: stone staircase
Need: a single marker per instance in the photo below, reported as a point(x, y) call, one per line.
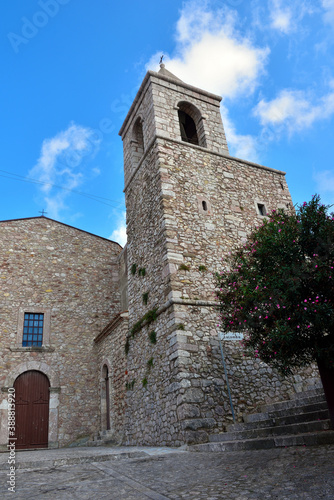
point(302, 420)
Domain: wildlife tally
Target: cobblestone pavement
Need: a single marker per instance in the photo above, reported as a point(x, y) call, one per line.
point(286, 473)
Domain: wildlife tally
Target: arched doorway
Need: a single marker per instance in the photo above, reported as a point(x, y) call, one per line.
point(105, 398)
point(31, 410)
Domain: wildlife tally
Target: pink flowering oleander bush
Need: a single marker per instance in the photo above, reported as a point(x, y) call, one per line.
point(280, 289)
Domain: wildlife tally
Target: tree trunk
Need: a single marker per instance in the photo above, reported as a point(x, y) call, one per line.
point(327, 379)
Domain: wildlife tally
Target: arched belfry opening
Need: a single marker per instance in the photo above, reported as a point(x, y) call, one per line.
point(191, 124)
point(137, 141)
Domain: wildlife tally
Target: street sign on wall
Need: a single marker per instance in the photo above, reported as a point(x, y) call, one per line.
point(231, 336)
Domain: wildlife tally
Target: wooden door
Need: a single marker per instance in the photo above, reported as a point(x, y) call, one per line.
point(31, 410)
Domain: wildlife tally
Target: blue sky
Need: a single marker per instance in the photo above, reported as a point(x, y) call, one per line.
point(71, 68)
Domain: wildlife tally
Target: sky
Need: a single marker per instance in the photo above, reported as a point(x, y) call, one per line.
point(71, 69)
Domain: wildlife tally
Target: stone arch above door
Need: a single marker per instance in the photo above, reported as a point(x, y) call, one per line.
point(33, 365)
point(106, 363)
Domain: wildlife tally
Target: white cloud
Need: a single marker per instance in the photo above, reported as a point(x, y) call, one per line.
point(295, 110)
point(60, 156)
point(211, 54)
point(281, 17)
point(328, 6)
point(96, 171)
point(119, 234)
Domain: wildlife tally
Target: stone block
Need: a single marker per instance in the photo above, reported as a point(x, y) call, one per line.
point(196, 437)
point(199, 423)
point(192, 395)
point(188, 411)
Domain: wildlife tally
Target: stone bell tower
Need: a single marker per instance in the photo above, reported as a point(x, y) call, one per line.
point(188, 204)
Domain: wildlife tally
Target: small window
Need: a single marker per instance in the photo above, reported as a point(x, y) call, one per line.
point(33, 329)
point(261, 209)
point(204, 205)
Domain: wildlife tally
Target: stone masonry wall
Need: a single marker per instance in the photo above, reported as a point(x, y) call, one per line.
point(72, 276)
point(202, 402)
point(145, 231)
point(231, 190)
point(151, 411)
point(179, 393)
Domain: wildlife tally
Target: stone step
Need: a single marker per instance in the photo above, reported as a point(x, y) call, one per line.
point(307, 439)
point(296, 410)
point(278, 421)
point(300, 428)
point(292, 403)
point(303, 420)
point(315, 390)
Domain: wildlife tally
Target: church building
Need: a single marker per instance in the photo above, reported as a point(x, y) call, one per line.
point(96, 338)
